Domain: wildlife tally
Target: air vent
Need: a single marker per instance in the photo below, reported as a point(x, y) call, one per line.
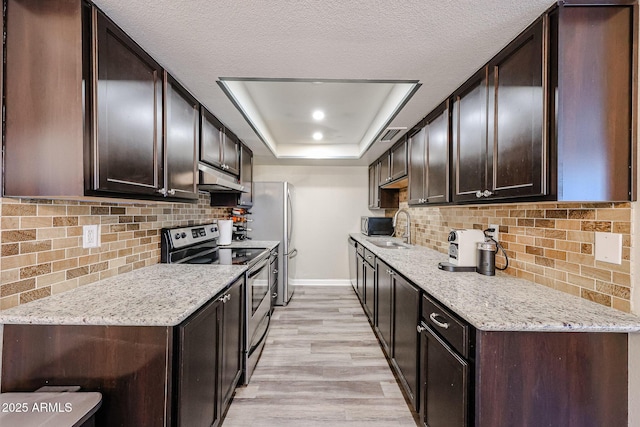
point(391, 133)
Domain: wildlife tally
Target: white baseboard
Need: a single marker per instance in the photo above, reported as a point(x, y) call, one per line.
point(321, 282)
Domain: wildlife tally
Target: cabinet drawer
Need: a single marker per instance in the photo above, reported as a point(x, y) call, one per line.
point(369, 257)
point(441, 320)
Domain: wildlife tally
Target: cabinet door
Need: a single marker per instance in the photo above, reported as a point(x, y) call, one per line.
point(246, 176)
point(385, 305)
point(370, 291)
point(469, 134)
point(230, 153)
point(437, 156)
point(515, 115)
point(417, 167)
point(128, 100)
point(198, 358)
point(445, 384)
point(398, 160)
point(405, 336)
point(374, 189)
point(360, 279)
point(182, 131)
point(211, 131)
point(231, 343)
point(385, 171)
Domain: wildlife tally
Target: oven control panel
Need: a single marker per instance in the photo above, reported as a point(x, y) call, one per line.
point(187, 236)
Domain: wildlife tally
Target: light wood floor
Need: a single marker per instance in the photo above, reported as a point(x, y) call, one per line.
point(321, 366)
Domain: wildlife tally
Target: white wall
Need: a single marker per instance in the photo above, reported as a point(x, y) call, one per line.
point(329, 202)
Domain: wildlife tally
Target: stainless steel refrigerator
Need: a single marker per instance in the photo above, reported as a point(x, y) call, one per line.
point(272, 215)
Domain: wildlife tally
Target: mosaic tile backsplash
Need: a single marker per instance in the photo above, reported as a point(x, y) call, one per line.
point(551, 244)
point(41, 242)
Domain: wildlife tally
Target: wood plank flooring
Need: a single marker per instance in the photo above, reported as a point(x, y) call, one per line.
point(321, 366)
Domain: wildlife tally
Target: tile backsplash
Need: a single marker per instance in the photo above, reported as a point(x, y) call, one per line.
point(551, 244)
point(41, 241)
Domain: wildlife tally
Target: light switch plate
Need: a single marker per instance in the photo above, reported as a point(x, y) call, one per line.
point(91, 236)
point(608, 247)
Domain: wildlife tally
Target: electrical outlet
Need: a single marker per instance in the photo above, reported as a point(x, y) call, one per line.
point(495, 234)
point(91, 236)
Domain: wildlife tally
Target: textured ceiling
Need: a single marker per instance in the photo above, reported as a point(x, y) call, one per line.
point(439, 43)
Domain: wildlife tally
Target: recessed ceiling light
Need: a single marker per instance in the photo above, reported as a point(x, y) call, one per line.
point(317, 136)
point(318, 115)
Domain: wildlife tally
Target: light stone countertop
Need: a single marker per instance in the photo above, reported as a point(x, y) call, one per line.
point(501, 302)
point(158, 295)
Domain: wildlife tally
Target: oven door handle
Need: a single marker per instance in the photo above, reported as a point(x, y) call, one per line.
point(255, 272)
point(262, 337)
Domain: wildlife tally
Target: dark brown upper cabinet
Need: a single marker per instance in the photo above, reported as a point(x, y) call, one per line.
point(44, 143)
point(182, 134)
point(393, 165)
point(246, 176)
point(552, 116)
point(593, 101)
point(380, 198)
point(127, 89)
point(429, 159)
point(219, 147)
point(110, 138)
point(497, 125)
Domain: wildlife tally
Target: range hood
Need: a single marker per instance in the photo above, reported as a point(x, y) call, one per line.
point(213, 181)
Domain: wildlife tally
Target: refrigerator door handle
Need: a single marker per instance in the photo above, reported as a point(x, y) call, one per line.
point(290, 224)
point(292, 254)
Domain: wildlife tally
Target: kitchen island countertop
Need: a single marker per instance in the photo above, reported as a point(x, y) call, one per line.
point(501, 302)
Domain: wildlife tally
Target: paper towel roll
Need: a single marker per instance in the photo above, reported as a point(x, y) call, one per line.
point(225, 226)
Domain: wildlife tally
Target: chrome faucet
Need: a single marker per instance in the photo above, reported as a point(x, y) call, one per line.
point(407, 234)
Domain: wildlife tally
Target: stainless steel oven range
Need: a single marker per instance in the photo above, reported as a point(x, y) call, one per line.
point(199, 245)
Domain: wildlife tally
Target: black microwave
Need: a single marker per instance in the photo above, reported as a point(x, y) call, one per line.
point(376, 226)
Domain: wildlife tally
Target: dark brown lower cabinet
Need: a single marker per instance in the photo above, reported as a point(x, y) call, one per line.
point(445, 377)
point(384, 326)
point(529, 379)
point(198, 388)
point(369, 273)
point(230, 367)
point(405, 335)
point(148, 375)
point(360, 273)
point(210, 360)
point(568, 379)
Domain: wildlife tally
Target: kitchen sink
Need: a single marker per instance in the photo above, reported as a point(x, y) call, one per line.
point(389, 244)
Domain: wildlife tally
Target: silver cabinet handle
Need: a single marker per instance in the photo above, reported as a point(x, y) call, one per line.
point(275, 271)
point(478, 194)
point(421, 329)
point(369, 257)
point(163, 191)
point(487, 193)
point(171, 192)
point(275, 295)
point(433, 317)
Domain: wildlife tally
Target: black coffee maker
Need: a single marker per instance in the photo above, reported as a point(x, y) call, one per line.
point(486, 255)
